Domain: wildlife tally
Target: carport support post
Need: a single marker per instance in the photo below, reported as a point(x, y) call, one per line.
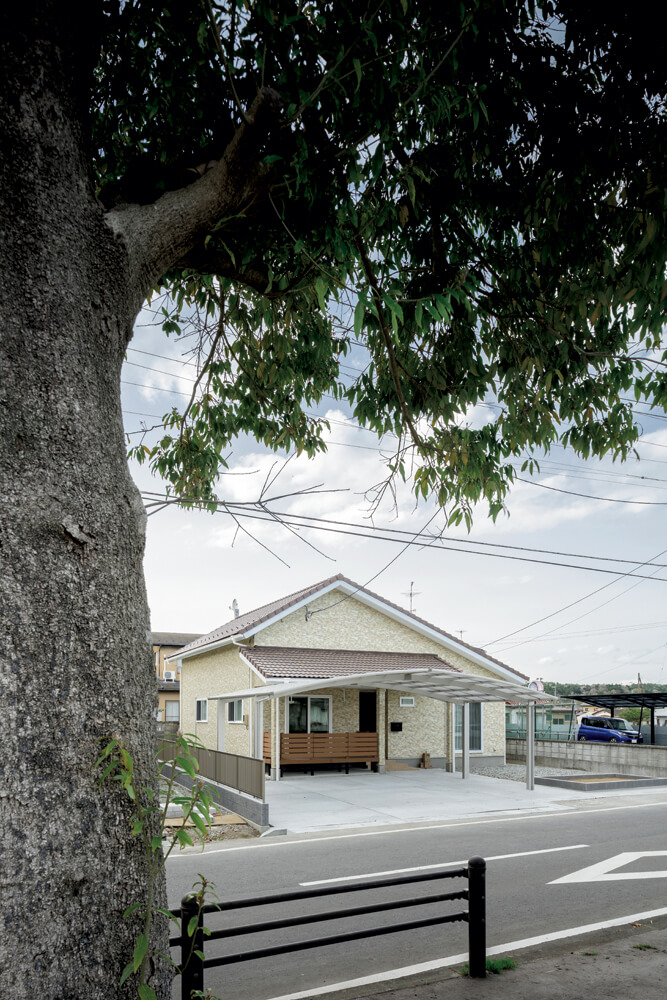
point(382, 731)
point(450, 753)
point(465, 741)
point(530, 746)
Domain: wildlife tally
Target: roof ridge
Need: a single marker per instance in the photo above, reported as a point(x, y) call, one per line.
point(257, 616)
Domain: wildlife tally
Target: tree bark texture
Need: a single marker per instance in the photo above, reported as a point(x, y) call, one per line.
point(75, 660)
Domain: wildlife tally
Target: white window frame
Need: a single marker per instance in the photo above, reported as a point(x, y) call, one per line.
point(201, 710)
point(406, 701)
point(309, 696)
point(481, 727)
point(235, 712)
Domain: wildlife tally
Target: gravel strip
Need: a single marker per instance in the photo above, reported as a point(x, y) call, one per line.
point(517, 772)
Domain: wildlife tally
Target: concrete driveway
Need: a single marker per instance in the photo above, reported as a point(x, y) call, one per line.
point(301, 803)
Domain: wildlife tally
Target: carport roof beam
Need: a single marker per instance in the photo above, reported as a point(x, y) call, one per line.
point(443, 685)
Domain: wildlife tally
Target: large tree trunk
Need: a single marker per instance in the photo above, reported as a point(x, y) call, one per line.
point(76, 667)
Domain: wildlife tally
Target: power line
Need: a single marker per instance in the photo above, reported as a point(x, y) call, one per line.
point(592, 610)
point(588, 496)
point(380, 534)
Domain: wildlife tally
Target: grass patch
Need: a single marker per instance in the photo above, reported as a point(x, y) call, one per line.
point(645, 947)
point(494, 965)
point(589, 953)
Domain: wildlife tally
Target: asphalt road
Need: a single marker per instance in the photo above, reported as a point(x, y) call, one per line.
point(525, 854)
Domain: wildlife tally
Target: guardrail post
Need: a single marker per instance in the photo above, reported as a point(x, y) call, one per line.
point(192, 966)
point(477, 917)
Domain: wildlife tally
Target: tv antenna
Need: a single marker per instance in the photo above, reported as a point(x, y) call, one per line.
point(411, 593)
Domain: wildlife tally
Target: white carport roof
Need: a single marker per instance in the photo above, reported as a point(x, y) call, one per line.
point(443, 685)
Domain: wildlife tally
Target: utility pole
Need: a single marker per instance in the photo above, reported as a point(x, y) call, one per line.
point(411, 593)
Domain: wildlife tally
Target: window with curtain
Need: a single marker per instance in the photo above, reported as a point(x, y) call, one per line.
point(235, 710)
point(309, 715)
point(172, 714)
point(475, 710)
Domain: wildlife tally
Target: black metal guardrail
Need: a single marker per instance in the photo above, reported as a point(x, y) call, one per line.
point(192, 937)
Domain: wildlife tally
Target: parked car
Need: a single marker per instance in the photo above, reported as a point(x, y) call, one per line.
point(604, 730)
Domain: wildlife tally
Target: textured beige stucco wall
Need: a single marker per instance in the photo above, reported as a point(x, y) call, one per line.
point(423, 727)
point(216, 672)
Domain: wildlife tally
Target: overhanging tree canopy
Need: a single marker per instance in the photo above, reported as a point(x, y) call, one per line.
point(480, 184)
point(480, 187)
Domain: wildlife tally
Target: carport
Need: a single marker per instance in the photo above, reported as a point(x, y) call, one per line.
point(447, 685)
point(637, 699)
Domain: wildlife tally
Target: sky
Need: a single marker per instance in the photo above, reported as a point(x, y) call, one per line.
point(529, 588)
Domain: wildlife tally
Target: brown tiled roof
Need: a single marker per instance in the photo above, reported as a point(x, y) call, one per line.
point(251, 619)
point(173, 638)
point(284, 661)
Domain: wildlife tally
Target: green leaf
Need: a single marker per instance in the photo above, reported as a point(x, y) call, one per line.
point(357, 69)
point(132, 909)
point(183, 838)
point(320, 288)
point(127, 971)
point(186, 765)
point(359, 313)
point(140, 949)
point(199, 823)
point(192, 926)
point(146, 992)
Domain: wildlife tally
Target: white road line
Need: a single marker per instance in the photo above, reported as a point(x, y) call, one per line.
point(605, 871)
point(444, 864)
point(499, 949)
point(412, 828)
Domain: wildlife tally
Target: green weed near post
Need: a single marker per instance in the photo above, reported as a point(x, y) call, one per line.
point(494, 965)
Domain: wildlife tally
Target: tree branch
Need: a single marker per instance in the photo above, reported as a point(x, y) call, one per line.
point(157, 236)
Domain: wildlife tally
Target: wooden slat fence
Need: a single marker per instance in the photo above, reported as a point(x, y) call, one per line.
point(324, 748)
point(245, 774)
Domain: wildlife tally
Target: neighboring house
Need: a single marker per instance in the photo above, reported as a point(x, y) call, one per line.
point(165, 643)
point(325, 643)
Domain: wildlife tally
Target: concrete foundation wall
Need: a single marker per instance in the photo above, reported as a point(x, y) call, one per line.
point(650, 762)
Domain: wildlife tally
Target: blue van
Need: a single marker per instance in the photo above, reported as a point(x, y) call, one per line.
point(605, 730)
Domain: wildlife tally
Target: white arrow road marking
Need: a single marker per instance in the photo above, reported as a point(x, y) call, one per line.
point(601, 871)
point(444, 864)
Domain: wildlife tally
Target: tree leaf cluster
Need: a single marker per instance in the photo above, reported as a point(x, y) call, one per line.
point(472, 195)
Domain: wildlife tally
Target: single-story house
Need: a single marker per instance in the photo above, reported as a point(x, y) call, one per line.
point(337, 673)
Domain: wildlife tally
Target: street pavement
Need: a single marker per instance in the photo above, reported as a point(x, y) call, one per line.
point(545, 879)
